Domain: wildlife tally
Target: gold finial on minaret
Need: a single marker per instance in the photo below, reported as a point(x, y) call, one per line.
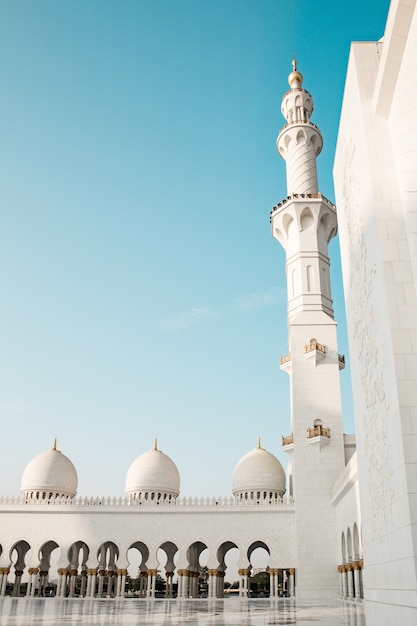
point(295, 79)
point(259, 443)
point(54, 446)
point(155, 444)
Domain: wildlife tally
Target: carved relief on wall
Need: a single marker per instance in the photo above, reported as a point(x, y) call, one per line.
point(375, 410)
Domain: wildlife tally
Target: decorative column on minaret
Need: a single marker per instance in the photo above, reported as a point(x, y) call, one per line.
point(304, 223)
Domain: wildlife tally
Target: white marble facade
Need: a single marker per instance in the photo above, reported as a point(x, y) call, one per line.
point(375, 177)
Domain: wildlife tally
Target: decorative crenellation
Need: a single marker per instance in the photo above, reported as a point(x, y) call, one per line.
point(180, 504)
point(287, 441)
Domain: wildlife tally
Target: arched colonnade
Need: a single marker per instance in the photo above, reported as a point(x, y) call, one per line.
point(102, 571)
point(351, 570)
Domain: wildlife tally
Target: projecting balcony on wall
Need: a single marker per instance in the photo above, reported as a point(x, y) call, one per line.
point(342, 363)
point(318, 436)
point(314, 351)
point(285, 362)
point(288, 443)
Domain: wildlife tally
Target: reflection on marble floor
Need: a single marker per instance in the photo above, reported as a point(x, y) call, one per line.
point(128, 612)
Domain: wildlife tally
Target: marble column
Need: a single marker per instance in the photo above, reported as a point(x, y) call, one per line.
point(194, 584)
point(111, 583)
point(151, 582)
point(83, 586)
point(273, 582)
point(341, 570)
point(183, 583)
point(17, 581)
point(361, 579)
point(180, 583)
point(119, 574)
point(220, 584)
point(35, 572)
point(243, 582)
point(6, 572)
point(101, 575)
point(59, 583)
point(356, 579)
point(91, 583)
point(73, 581)
point(186, 584)
point(349, 573)
point(168, 591)
point(143, 584)
point(291, 582)
point(29, 584)
point(43, 581)
point(211, 591)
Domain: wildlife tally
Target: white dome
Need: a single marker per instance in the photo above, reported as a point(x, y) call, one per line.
point(49, 475)
point(258, 475)
point(153, 476)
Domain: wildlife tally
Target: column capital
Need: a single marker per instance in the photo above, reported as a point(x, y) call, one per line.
point(92, 572)
point(292, 571)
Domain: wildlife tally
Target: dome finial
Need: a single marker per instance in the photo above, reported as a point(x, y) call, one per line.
point(155, 443)
point(54, 446)
point(259, 443)
point(295, 79)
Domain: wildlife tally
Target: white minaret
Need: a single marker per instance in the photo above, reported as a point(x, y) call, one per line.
point(304, 222)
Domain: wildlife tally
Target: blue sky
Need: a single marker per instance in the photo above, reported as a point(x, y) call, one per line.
point(142, 292)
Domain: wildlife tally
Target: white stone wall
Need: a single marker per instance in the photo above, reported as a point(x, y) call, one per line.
point(376, 182)
point(125, 524)
point(317, 462)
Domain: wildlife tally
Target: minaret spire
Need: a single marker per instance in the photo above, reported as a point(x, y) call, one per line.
point(299, 142)
point(304, 222)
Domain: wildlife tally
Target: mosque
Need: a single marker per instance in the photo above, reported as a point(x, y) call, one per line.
point(342, 520)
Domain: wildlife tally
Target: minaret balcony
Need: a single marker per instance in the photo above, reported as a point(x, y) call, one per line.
point(342, 363)
point(285, 362)
point(315, 351)
point(288, 443)
point(318, 436)
point(298, 196)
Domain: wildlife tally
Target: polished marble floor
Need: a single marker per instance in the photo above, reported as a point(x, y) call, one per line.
point(128, 612)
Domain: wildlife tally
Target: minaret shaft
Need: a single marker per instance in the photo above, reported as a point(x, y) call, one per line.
point(304, 223)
